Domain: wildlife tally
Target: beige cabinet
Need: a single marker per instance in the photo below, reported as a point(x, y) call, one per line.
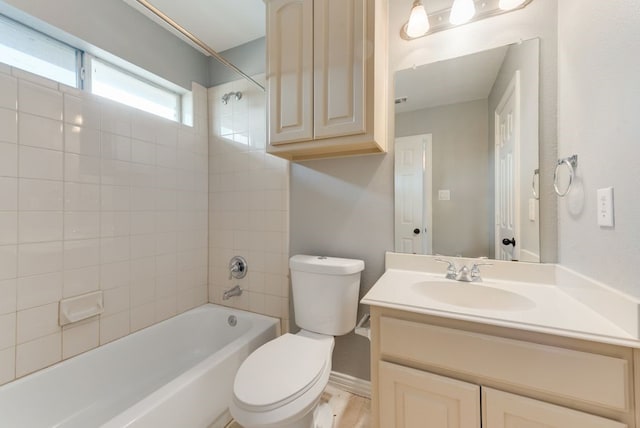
point(503, 410)
point(417, 399)
point(434, 372)
point(326, 77)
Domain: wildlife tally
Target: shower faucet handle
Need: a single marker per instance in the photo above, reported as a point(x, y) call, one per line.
point(237, 267)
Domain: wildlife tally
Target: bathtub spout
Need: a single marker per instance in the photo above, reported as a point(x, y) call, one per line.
point(232, 292)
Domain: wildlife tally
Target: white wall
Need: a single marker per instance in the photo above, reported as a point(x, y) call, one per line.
point(94, 195)
point(599, 104)
point(248, 203)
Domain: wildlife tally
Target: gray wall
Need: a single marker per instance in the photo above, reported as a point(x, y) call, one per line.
point(599, 102)
point(461, 165)
point(344, 208)
point(525, 58)
point(250, 57)
point(116, 28)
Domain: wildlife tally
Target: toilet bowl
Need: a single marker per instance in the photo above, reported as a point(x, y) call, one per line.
point(280, 384)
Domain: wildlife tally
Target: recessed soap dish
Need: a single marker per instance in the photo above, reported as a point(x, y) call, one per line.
point(80, 308)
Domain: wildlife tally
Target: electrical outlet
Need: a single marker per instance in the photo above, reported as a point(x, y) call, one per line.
point(605, 207)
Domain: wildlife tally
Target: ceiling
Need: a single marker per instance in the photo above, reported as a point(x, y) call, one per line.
point(457, 80)
point(221, 24)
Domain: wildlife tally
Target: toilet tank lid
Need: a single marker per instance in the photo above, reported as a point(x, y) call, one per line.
point(325, 265)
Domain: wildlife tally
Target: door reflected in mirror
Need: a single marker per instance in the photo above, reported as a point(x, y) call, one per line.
point(466, 155)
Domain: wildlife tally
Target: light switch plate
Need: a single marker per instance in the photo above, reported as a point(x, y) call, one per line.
point(605, 207)
point(444, 195)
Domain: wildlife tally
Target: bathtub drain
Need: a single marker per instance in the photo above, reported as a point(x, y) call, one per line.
point(232, 320)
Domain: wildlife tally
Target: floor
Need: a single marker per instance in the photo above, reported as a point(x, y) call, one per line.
point(349, 411)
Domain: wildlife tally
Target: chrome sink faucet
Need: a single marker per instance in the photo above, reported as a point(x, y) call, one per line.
point(464, 274)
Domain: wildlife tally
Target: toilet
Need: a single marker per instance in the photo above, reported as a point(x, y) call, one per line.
point(280, 383)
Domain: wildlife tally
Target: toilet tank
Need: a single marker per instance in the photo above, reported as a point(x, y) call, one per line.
point(325, 293)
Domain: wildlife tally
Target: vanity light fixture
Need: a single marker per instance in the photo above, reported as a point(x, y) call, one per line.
point(418, 23)
point(423, 22)
point(462, 11)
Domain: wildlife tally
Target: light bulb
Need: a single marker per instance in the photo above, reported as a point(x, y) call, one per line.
point(509, 4)
point(462, 11)
point(418, 23)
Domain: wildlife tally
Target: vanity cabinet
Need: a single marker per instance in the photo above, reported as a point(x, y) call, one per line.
point(326, 77)
point(429, 371)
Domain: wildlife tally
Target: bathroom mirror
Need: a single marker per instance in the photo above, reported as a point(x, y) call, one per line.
point(466, 155)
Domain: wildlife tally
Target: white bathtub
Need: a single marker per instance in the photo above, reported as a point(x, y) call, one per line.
point(178, 373)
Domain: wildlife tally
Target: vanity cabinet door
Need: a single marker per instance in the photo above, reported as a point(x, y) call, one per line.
point(290, 70)
point(504, 410)
point(416, 399)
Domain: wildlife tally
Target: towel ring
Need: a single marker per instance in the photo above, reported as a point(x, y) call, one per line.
point(533, 183)
point(572, 163)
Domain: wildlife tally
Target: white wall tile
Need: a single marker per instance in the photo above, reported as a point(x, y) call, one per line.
point(8, 92)
point(80, 338)
point(37, 322)
point(114, 223)
point(116, 300)
point(81, 197)
point(8, 126)
point(8, 295)
point(143, 316)
point(143, 127)
point(8, 261)
point(40, 163)
point(40, 195)
point(143, 152)
point(83, 111)
point(115, 119)
point(8, 194)
point(40, 226)
point(39, 100)
point(8, 227)
point(81, 169)
point(114, 327)
point(115, 147)
point(38, 354)
point(35, 259)
point(7, 330)
point(81, 225)
point(7, 365)
point(143, 292)
point(115, 275)
point(39, 131)
point(114, 249)
point(81, 281)
point(81, 253)
point(82, 140)
point(115, 198)
point(38, 290)
point(8, 159)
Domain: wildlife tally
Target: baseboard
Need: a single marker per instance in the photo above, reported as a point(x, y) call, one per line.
point(350, 384)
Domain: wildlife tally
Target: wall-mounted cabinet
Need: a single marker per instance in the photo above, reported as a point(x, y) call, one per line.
point(428, 371)
point(327, 79)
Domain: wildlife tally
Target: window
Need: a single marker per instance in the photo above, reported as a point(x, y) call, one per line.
point(28, 49)
point(118, 85)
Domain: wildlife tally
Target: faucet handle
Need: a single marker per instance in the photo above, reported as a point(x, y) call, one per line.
point(475, 270)
point(451, 268)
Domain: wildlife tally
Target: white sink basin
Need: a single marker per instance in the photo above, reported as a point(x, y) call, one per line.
point(473, 295)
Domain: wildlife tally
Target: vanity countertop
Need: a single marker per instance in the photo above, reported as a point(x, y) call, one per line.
point(521, 296)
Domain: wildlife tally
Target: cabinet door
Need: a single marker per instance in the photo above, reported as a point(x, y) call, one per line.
point(503, 410)
point(412, 398)
point(341, 54)
point(290, 70)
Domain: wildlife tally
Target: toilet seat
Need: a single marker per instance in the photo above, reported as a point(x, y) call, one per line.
point(280, 371)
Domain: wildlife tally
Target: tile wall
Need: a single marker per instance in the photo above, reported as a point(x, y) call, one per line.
point(96, 195)
point(248, 203)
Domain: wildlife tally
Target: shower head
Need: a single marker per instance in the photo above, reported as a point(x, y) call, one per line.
point(228, 95)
